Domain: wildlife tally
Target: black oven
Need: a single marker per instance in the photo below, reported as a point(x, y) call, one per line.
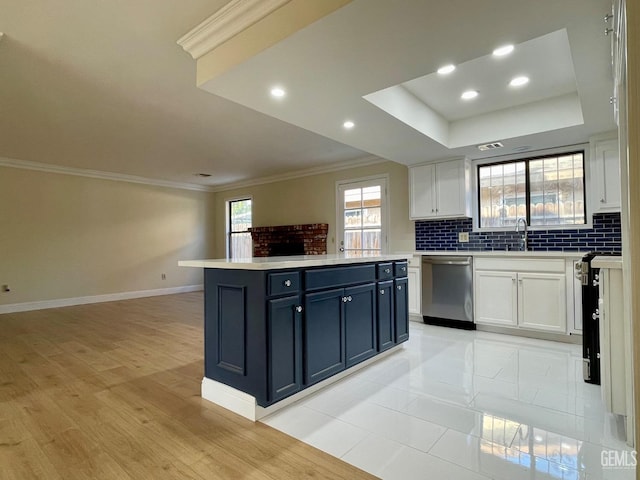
point(590, 279)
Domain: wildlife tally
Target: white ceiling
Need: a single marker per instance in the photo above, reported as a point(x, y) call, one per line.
point(104, 86)
point(432, 104)
point(545, 60)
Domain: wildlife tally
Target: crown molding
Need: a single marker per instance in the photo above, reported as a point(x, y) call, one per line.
point(121, 177)
point(81, 172)
point(307, 172)
point(227, 22)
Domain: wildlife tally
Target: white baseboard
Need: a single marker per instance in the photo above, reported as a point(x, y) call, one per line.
point(246, 405)
point(109, 297)
point(230, 398)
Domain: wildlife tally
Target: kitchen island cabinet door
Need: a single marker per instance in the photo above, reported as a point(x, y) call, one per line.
point(360, 323)
point(323, 335)
point(496, 298)
point(386, 324)
point(284, 347)
point(400, 307)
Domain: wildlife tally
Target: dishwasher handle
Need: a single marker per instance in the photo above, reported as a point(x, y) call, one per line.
point(447, 260)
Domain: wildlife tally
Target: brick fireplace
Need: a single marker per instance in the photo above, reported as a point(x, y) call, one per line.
point(304, 239)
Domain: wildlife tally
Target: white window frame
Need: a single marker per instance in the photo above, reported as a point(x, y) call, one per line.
point(383, 180)
point(533, 154)
point(227, 221)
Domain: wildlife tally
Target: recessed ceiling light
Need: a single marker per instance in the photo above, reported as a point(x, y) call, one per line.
point(519, 81)
point(348, 124)
point(278, 92)
point(502, 51)
point(446, 69)
point(469, 94)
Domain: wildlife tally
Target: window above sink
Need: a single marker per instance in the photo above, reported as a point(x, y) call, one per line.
point(548, 191)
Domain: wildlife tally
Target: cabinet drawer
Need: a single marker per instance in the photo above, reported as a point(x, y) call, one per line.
point(283, 283)
point(400, 269)
point(515, 264)
point(385, 271)
point(339, 276)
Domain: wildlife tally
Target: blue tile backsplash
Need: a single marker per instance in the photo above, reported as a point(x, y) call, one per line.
point(443, 235)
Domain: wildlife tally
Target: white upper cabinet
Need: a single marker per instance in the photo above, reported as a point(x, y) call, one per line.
point(422, 193)
point(440, 190)
point(605, 176)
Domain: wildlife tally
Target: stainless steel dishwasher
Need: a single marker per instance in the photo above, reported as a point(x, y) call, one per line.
point(447, 291)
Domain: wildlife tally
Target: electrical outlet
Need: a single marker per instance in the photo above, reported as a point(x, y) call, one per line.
point(164, 276)
point(463, 237)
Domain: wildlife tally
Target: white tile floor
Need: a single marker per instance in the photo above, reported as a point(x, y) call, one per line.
point(464, 405)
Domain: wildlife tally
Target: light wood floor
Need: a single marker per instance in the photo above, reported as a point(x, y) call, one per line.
point(112, 391)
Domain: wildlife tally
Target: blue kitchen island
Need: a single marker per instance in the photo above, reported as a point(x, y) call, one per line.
point(278, 328)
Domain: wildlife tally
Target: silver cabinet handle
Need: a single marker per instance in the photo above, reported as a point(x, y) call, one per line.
point(399, 287)
point(387, 270)
point(349, 298)
point(607, 31)
point(299, 308)
point(513, 280)
point(608, 17)
point(344, 300)
point(602, 200)
point(404, 269)
point(287, 283)
point(381, 292)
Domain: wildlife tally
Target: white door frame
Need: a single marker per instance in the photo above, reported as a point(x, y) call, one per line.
point(383, 181)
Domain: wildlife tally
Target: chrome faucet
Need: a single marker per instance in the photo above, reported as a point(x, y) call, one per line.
point(525, 239)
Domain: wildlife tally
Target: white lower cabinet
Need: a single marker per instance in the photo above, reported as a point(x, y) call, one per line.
point(496, 298)
point(542, 301)
point(415, 286)
point(519, 293)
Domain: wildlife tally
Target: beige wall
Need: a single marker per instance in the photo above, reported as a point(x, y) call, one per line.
point(65, 236)
point(312, 199)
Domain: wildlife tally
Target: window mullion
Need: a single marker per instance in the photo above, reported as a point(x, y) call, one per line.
point(527, 192)
point(230, 229)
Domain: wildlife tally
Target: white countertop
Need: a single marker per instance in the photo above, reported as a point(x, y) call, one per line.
point(497, 253)
point(297, 261)
point(607, 261)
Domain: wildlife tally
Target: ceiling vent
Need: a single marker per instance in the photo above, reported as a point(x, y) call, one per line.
point(203, 175)
point(490, 146)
